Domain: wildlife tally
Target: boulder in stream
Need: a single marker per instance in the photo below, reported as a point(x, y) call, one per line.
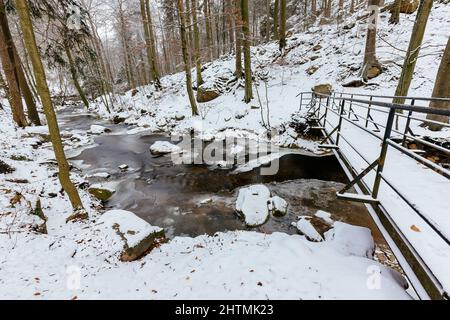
point(278, 206)
point(163, 147)
point(101, 193)
point(252, 204)
point(128, 235)
point(96, 129)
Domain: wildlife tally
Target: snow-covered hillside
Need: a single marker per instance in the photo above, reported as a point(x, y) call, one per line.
point(334, 51)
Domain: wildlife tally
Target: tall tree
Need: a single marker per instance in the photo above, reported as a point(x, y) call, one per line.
point(186, 59)
point(413, 51)
point(247, 59)
point(197, 58)
point(42, 87)
point(441, 90)
point(238, 37)
point(395, 12)
point(123, 29)
point(74, 74)
point(371, 66)
point(33, 115)
point(15, 100)
point(282, 24)
point(276, 9)
point(209, 39)
point(154, 64)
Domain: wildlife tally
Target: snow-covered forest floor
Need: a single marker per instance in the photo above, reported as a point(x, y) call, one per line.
point(81, 260)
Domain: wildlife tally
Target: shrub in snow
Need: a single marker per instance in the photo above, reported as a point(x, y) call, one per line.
point(252, 204)
point(164, 147)
point(128, 235)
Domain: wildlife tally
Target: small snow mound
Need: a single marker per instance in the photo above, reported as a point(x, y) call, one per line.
point(252, 203)
point(164, 147)
point(351, 240)
point(307, 229)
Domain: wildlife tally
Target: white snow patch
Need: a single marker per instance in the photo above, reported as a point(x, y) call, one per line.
point(252, 203)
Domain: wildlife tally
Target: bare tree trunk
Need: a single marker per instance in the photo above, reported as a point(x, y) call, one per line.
point(395, 12)
point(208, 28)
point(187, 64)
point(413, 50)
point(74, 74)
point(198, 62)
point(247, 59)
point(283, 25)
point(275, 19)
point(126, 48)
point(44, 92)
point(371, 67)
point(238, 30)
point(33, 115)
point(441, 90)
point(15, 100)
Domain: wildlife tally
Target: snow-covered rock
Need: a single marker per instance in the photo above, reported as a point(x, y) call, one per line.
point(101, 192)
point(164, 147)
point(96, 129)
point(307, 229)
point(325, 216)
point(278, 206)
point(127, 234)
point(123, 167)
point(252, 204)
point(351, 240)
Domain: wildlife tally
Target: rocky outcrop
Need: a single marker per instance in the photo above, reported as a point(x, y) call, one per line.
point(5, 168)
point(325, 89)
point(127, 235)
point(101, 193)
point(409, 6)
point(206, 95)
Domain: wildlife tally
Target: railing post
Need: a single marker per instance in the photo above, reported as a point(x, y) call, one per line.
point(301, 101)
point(408, 121)
point(351, 107)
point(326, 112)
point(368, 111)
point(341, 114)
point(384, 147)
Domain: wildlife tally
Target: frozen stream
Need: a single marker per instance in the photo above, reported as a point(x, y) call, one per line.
point(169, 195)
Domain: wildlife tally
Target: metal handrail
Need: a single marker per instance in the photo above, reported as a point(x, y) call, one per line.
point(396, 97)
point(326, 102)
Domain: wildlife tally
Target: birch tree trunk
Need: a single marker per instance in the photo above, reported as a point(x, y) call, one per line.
point(44, 93)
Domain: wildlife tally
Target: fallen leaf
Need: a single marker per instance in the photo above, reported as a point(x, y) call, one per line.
point(414, 228)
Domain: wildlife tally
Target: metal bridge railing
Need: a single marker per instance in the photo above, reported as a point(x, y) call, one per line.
point(382, 120)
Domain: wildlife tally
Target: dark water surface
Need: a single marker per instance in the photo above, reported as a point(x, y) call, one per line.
point(171, 195)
